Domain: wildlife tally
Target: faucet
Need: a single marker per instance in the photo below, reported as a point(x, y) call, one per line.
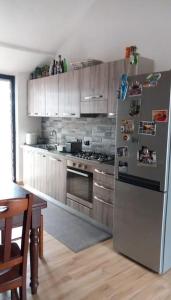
point(54, 133)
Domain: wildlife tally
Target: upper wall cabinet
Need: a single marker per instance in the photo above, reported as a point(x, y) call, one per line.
point(36, 97)
point(94, 89)
point(43, 97)
point(119, 67)
point(69, 94)
point(51, 96)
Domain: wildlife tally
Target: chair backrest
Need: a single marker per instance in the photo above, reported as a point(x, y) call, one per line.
point(8, 210)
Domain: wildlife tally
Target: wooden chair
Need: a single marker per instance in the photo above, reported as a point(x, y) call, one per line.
point(13, 260)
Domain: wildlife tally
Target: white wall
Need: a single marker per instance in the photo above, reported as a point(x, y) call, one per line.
point(111, 25)
point(23, 122)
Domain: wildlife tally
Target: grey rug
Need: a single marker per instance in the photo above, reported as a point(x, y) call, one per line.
point(74, 232)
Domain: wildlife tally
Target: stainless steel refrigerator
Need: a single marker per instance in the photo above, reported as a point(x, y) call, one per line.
point(142, 204)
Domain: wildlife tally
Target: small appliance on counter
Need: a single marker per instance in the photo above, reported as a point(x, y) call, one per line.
point(60, 148)
point(31, 138)
point(73, 147)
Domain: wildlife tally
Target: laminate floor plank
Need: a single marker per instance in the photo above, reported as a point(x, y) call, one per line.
point(96, 273)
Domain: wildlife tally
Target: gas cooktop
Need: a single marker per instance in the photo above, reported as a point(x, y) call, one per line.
point(101, 157)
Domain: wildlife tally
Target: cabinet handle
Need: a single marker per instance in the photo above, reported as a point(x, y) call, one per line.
point(56, 114)
point(56, 159)
point(68, 114)
point(102, 172)
point(51, 158)
point(101, 200)
point(36, 113)
point(93, 97)
point(65, 114)
point(102, 187)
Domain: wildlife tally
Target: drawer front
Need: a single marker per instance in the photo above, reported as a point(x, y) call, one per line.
point(103, 213)
point(103, 178)
point(83, 209)
point(102, 192)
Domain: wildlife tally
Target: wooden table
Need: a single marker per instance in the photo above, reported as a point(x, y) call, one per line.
point(12, 191)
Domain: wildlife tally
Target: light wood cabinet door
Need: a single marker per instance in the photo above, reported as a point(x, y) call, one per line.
point(94, 89)
point(28, 167)
point(103, 212)
point(51, 96)
point(36, 97)
point(56, 178)
point(69, 94)
point(40, 172)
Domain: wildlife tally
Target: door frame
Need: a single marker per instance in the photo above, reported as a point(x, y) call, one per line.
point(12, 80)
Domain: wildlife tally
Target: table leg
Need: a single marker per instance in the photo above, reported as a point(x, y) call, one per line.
point(34, 251)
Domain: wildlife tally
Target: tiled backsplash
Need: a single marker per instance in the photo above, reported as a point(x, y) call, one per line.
point(100, 132)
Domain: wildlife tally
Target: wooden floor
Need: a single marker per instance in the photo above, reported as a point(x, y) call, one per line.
point(96, 273)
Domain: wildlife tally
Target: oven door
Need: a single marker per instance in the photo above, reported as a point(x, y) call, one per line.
point(80, 186)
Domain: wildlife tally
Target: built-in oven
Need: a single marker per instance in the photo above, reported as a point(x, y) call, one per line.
point(80, 183)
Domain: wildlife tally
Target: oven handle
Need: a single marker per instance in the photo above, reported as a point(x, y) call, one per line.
point(77, 172)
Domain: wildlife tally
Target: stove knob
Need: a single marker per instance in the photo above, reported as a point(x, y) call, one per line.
point(73, 164)
point(85, 167)
point(79, 165)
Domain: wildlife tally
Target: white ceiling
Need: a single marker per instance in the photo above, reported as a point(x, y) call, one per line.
point(32, 32)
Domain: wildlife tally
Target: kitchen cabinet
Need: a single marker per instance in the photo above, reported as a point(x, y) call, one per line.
point(94, 89)
point(45, 173)
point(103, 195)
point(69, 94)
point(91, 90)
point(43, 97)
point(51, 96)
point(79, 207)
point(28, 167)
point(40, 172)
point(116, 69)
point(103, 212)
point(36, 97)
point(56, 178)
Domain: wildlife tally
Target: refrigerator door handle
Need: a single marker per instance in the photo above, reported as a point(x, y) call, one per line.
point(138, 181)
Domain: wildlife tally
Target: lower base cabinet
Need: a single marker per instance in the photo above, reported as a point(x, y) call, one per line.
point(103, 213)
point(45, 173)
point(56, 178)
point(39, 182)
point(83, 209)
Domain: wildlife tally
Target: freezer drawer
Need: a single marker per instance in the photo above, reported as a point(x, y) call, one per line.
point(139, 224)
